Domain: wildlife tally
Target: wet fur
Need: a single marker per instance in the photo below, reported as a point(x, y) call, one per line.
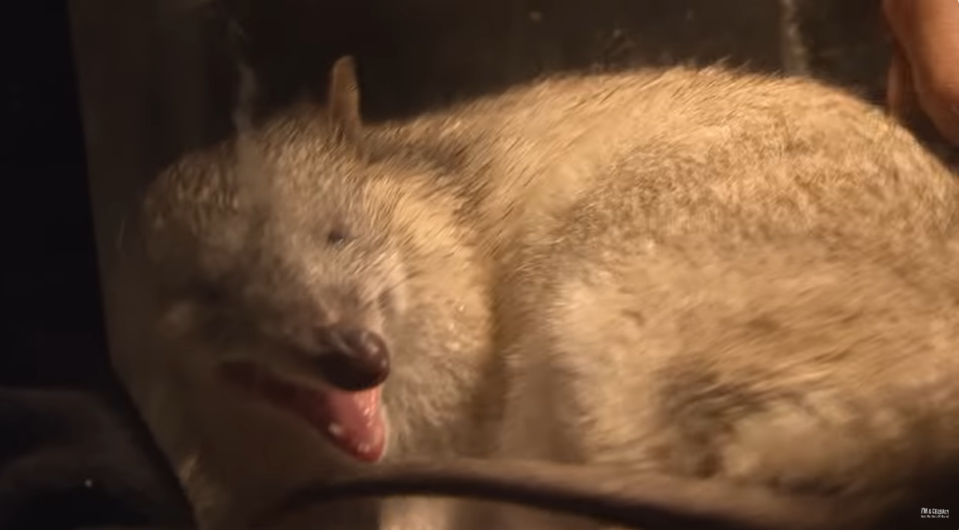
point(695, 272)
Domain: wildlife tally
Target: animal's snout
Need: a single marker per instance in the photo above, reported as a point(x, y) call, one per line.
point(351, 358)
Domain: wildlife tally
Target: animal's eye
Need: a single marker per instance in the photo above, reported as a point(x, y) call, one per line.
point(337, 236)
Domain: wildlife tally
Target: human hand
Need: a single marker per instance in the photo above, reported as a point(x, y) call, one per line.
point(924, 75)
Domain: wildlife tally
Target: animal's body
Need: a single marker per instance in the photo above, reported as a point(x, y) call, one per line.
point(692, 272)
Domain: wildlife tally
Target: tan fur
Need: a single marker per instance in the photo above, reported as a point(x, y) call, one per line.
point(236, 253)
point(699, 272)
point(763, 290)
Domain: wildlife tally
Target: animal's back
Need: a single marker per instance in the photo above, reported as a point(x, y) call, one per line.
point(645, 208)
point(533, 149)
point(760, 284)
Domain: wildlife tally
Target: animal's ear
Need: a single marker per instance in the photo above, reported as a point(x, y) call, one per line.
point(343, 99)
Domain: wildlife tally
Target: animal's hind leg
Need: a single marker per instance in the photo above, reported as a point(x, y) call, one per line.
point(754, 374)
point(557, 384)
point(533, 430)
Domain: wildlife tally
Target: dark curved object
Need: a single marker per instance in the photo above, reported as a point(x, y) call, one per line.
point(647, 501)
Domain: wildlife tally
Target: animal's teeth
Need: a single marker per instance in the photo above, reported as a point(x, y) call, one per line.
point(364, 448)
point(335, 429)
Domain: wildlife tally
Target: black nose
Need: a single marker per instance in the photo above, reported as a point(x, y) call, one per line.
point(352, 359)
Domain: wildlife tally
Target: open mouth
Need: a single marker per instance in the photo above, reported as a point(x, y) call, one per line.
point(351, 421)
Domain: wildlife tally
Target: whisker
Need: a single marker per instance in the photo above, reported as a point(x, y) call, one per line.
point(399, 283)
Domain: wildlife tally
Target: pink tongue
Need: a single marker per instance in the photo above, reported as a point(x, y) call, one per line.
point(351, 420)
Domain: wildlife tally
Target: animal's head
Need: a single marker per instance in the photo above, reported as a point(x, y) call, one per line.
point(310, 271)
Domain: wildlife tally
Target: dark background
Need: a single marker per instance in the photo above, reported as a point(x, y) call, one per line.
point(72, 453)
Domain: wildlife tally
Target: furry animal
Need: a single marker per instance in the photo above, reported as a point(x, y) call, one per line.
point(700, 273)
point(760, 288)
point(261, 261)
